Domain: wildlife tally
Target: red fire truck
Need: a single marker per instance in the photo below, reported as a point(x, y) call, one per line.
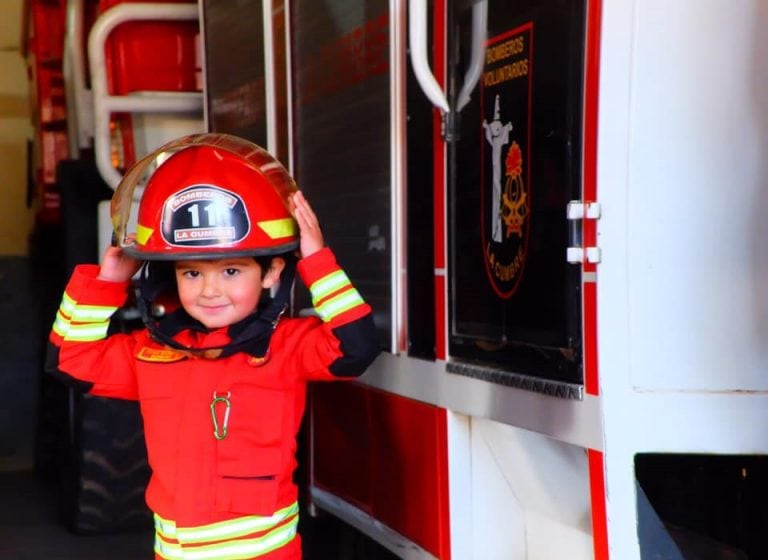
point(520, 189)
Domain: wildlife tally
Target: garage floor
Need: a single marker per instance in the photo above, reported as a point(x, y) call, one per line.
point(29, 529)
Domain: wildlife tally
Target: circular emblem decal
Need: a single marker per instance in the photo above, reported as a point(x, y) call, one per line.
point(204, 216)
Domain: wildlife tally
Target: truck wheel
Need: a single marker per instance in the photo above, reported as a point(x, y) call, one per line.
point(105, 470)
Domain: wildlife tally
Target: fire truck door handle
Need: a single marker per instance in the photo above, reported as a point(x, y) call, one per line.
point(576, 212)
point(477, 53)
point(417, 39)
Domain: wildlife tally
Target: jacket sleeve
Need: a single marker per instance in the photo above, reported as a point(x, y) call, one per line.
point(80, 351)
point(348, 335)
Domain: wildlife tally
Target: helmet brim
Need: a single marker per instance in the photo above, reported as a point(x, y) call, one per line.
point(136, 253)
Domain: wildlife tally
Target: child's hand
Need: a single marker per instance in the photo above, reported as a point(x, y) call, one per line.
point(309, 228)
point(116, 266)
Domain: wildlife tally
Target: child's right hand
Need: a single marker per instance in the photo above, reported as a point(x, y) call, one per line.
point(116, 266)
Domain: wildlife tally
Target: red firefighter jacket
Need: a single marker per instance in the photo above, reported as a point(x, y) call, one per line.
point(220, 434)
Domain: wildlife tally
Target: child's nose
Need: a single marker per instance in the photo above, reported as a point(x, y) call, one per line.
point(210, 286)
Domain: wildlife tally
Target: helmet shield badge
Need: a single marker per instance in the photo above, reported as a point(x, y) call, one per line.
point(204, 216)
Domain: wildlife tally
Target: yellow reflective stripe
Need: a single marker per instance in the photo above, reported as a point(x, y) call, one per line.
point(143, 233)
point(93, 319)
point(67, 304)
point(339, 304)
point(245, 548)
point(164, 527)
point(236, 527)
point(275, 229)
point(88, 332)
point(328, 284)
point(100, 313)
point(61, 324)
point(170, 551)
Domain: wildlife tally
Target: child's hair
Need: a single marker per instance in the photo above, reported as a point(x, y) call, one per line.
point(265, 262)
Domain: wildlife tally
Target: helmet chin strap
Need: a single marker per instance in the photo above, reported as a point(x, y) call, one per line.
point(251, 335)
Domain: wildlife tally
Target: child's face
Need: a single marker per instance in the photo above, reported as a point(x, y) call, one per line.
point(219, 293)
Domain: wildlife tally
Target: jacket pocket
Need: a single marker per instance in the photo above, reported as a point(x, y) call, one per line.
point(250, 459)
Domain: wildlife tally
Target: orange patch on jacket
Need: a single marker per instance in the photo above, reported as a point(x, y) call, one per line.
point(161, 355)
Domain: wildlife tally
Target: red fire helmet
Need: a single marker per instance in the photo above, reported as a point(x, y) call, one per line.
point(206, 196)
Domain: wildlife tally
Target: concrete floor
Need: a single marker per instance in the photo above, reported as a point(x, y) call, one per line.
point(29, 529)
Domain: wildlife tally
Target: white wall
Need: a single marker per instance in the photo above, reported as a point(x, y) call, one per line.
point(683, 184)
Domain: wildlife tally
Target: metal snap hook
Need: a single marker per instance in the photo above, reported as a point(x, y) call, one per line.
point(220, 432)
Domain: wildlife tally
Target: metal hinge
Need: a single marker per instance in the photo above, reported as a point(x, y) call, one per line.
point(576, 212)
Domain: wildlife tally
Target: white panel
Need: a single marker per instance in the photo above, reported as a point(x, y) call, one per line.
point(530, 496)
point(460, 484)
point(569, 420)
point(698, 263)
point(682, 308)
point(152, 130)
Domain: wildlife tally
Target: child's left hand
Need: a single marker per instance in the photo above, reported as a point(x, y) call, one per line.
point(311, 240)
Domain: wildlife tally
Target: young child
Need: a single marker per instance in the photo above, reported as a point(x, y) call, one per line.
point(221, 375)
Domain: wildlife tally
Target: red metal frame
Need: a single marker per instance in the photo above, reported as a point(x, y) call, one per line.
point(591, 376)
point(386, 455)
point(599, 515)
point(439, 162)
point(591, 88)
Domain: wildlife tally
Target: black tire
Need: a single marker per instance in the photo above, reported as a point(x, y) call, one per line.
point(105, 471)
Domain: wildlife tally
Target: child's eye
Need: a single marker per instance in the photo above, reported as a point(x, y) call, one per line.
point(231, 271)
point(190, 274)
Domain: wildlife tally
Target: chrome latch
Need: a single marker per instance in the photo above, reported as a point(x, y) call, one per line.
point(576, 212)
